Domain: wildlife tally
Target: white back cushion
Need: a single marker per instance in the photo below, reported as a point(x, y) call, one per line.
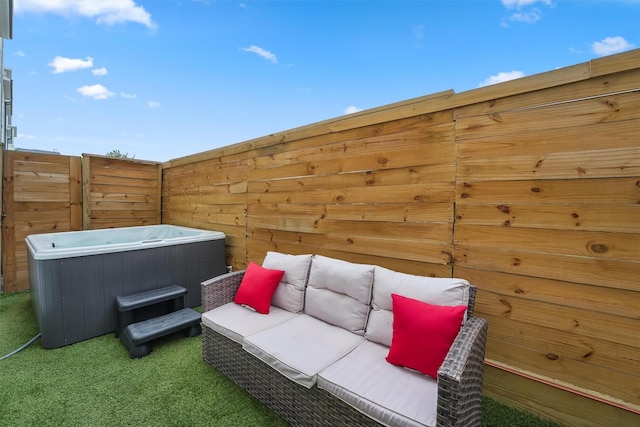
point(289, 294)
point(436, 291)
point(339, 292)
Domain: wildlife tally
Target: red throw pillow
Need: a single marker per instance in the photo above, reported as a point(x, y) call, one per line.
point(423, 333)
point(257, 287)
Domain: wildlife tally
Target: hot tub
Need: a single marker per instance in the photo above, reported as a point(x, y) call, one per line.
point(75, 276)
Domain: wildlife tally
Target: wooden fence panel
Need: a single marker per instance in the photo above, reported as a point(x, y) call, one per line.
point(304, 196)
point(547, 225)
point(210, 194)
point(120, 192)
point(528, 189)
point(41, 194)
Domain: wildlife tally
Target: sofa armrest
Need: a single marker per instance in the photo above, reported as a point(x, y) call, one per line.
point(460, 377)
point(220, 290)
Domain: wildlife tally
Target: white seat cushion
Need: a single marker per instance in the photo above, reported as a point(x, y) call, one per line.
point(237, 322)
point(290, 292)
point(301, 347)
point(391, 395)
point(339, 292)
point(435, 291)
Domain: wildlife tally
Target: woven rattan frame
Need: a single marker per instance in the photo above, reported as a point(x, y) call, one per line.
point(459, 377)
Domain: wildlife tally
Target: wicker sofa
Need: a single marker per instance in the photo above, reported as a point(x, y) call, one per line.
point(318, 356)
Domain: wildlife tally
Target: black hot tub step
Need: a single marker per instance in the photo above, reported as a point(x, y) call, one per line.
point(154, 296)
point(138, 336)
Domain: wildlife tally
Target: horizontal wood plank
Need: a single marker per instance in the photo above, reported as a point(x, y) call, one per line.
point(581, 85)
point(582, 352)
point(393, 212)
point(42, 177)
point(60, 166)
point(541, 142)
point(580, 112)
point(618, 302)
point(319, 224)
point(42, 196)
point(409, 193)
point(209, 199)
point(99, 224)
point(612, 162)
point(609, 273)
point(605, 218)
point(343, 164)
point(117, 205)
point(552, 402)
point(125, 181)
point(106, 174)
point(414, 175)
point(580, 322)
point(590, 192)
point(416, 250)
point(588, 376)
point(123, 213)
point(360, 150)
point(605, 245)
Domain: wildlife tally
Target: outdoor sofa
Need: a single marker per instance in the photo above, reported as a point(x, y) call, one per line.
point(322, 341)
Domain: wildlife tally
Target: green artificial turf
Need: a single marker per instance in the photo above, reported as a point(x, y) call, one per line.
point(94, 383)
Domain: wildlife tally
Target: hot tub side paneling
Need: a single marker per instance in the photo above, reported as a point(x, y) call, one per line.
point(74, 298)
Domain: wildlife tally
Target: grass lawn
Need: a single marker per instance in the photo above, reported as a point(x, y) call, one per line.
point(94, 383)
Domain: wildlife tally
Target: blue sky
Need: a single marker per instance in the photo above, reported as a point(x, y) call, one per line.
point(162, 79)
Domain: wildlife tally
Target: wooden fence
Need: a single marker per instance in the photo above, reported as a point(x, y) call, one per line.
point(46, 193)
point(529, 189)
point(119, 192)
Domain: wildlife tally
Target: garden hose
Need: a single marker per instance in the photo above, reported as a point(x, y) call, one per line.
point(31, 341)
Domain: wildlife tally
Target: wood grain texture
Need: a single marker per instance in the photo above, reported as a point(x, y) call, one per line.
point(42, 193)
point(529, 189)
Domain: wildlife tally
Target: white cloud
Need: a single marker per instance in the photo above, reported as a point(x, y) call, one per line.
point(95, 92)
point(502, 77)
point(20, 53)
point(351, 109)
point(525, 12)
point(153, 104)
point(261, 52)
point(107, 12)
point(128, 95)
point(517, 4)
point(99, 71)
point(610, 45)
point(526, 17)
point(61, 64)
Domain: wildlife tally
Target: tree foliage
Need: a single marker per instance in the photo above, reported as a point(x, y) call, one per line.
point(118, 154)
